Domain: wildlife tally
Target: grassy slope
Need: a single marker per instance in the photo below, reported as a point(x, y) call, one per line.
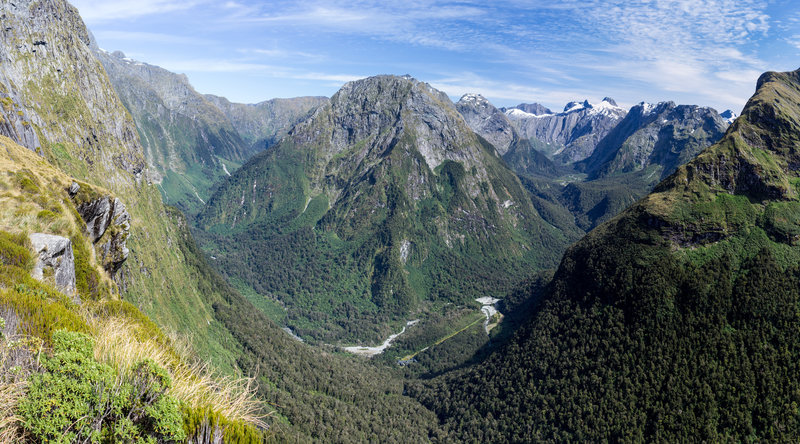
point(676, 320)
point(34, 198)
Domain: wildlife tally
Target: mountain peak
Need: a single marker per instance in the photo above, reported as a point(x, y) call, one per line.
point(610, 101)
point(729, 115)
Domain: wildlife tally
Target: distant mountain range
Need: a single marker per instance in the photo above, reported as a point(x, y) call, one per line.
point(571, 135)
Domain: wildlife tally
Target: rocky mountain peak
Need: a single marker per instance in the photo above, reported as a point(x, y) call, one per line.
point(487, 121)
point(729, 115)
point(381, 108)
point(610, 101)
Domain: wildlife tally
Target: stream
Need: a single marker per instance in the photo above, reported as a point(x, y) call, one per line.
point(372, 351)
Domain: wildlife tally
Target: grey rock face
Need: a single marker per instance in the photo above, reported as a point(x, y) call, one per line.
point(494, 126)
point(15, 123)
point(728, 115)
point(665, 134)
point(573, 133)
point(487, 121)
point(55, 252)
point(107, 215)
point(53, 79)
point(179, 127)
point(531, 108)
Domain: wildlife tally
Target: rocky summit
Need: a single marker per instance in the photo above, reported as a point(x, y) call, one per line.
point(389, 175)
point(571, 135)
point(493, 125)
point(664, 135)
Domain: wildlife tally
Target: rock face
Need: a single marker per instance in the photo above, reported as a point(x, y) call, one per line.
point(108, 225)
point(55, 253)
point(390, 169)
point(663, 135)
point(531, 108)
point(493, 125)
point(573, 134)
point(728, 115)
point(487, 121)
point(262, 125)
point(48, 74)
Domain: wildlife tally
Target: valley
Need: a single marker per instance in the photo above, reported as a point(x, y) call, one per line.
point(389, 263)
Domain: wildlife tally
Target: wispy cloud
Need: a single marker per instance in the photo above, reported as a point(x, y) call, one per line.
point(153, 37)
point(94, 11)
point(239, 66)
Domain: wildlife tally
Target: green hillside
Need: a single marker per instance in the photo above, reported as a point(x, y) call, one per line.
point(381, 203)
point(675, 321)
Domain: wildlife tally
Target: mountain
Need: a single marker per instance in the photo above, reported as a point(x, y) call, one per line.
point(570, 135)
point(729, 116)
point(493, 125)
point(188, 142)
point(530, 108)
point(661, 136)
point(263, 124)
point(381, 203)
point(677, 320)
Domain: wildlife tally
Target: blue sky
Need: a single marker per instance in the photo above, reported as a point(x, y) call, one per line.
point(705, 52)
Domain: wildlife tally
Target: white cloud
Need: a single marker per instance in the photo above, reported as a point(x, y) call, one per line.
point(106, 35)
point(93, 11)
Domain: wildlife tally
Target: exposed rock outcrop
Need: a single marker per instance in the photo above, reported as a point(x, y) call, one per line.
point(55, 256)
point(108, 224)
point(494, 126)
point(263, 124)
point(666, 135)
point(574, 133)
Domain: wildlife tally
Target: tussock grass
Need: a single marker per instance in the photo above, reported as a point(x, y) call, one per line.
point(10, 423)
point(193, 385)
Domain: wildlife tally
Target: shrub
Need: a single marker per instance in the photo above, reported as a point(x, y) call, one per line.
point(78, 398)
point(14, 250)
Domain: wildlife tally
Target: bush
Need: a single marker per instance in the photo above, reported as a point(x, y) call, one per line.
point(78, 398)
point(14, 250)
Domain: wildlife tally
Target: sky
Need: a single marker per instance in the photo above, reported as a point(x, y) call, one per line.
point(703, 52)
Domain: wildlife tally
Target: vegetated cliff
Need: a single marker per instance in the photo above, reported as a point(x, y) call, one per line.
point(50, 76)
point(571, 135)
point(263, 124)
point(674, 321)
point(69, 346)
point(388, 199)
point(188, 142)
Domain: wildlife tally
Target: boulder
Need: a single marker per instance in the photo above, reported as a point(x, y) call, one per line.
point(55, 253)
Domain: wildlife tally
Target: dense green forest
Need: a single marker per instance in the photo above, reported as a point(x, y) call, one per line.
point(676, 321)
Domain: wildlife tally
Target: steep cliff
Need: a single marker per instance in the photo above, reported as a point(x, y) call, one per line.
point(262, 125)
point(51, 78)
point(188, 142)
point(663, 136)
point(493, 125)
